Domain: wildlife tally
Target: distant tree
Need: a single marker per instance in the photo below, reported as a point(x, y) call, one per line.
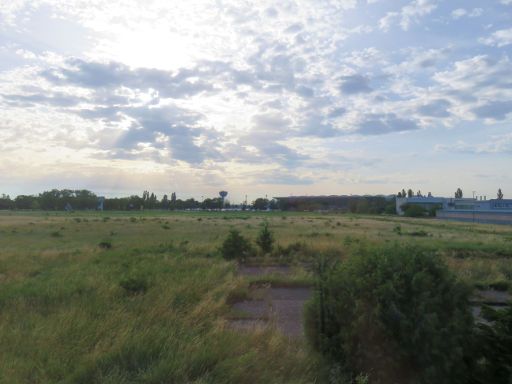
point(500, 194)
point(419, 194)
point(260, 204)
point(404, 194)
point(6, 202)
point(458, 193)
point(429, 194)
point(399, 194)
point(410, 193)
point(165, 202)
point(274, 204)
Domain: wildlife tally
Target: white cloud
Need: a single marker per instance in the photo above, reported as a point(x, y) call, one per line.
point(461, 12)
point(409, 14)
point(499, 38)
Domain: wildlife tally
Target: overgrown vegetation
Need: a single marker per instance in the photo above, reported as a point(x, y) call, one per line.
point(395, 313)
point(153, 307)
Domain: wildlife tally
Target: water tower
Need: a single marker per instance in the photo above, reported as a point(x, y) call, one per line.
point(222, 195)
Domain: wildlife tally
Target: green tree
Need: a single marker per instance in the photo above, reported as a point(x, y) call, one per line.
point(410, 193)
point(236, 246)
point(260, 204)
point(458, 193)
point(500, 194)
point(265, 239)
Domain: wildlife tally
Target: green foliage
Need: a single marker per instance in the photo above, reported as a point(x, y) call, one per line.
point(134, 284)
point(236, 246)
point(106, 244)
point(413, 210)
point(396, 313)
point(265, 239)
point(493, 347)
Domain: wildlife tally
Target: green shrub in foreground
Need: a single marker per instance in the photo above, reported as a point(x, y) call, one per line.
point(397, 314)
point(265, 239)
point(236, 246)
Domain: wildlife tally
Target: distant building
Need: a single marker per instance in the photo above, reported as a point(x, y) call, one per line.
point(494, 211)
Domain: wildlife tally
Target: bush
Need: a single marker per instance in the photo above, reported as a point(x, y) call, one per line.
point(411, 210)
point(236, 246)
point(106, 244)
point(397, 314)
point(134, 285)
point(265, 239)
point(493, 347)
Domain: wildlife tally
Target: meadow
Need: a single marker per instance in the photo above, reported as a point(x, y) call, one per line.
point(131, 297)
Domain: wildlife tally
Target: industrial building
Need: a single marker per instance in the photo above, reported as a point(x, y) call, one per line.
point(476, 210)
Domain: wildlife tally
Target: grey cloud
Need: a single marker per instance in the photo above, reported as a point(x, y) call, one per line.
point(271, 121)
point(436, 108)
point(382, 124)
point(283, 178)
point(355, 84)
point(181, 128)
point(305, 91)
point(337, 112)
point(294, 28)
point(56, 99)
point(497, 110)
point(271, 12)
point(113, 75)
point(317, 127)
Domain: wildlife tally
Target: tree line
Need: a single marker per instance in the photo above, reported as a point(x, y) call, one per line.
point(458, 194)
point(62, 199)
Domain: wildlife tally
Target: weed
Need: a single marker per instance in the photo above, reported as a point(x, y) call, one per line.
point(134, 285)
point(105, 244)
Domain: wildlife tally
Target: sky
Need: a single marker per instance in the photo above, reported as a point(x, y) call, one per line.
point(257, 98)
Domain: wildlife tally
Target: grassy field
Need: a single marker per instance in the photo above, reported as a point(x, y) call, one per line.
point(131, 297)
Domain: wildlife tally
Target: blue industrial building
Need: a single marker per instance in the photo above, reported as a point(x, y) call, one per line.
point(494, 211)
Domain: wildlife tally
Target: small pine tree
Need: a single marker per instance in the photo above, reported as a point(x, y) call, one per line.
point(235, 246)
point(500, 194)
point(265, 239)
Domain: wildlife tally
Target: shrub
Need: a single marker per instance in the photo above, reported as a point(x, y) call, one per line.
point(235, 246)
point(397, 314)
point(265, 239)
point(134, 285)
point(493, 347)
point(106, 244)
point(411, 210)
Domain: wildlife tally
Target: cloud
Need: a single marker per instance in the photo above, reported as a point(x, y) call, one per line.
point(96, 75)
point(58, 99)
point(435, 108)
point(409, 14)
point(496, 110)
point(278, 177)
point(383, 124)
point(500, 38)
point(500, 144)
point(461, 12)
point(354, 84)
